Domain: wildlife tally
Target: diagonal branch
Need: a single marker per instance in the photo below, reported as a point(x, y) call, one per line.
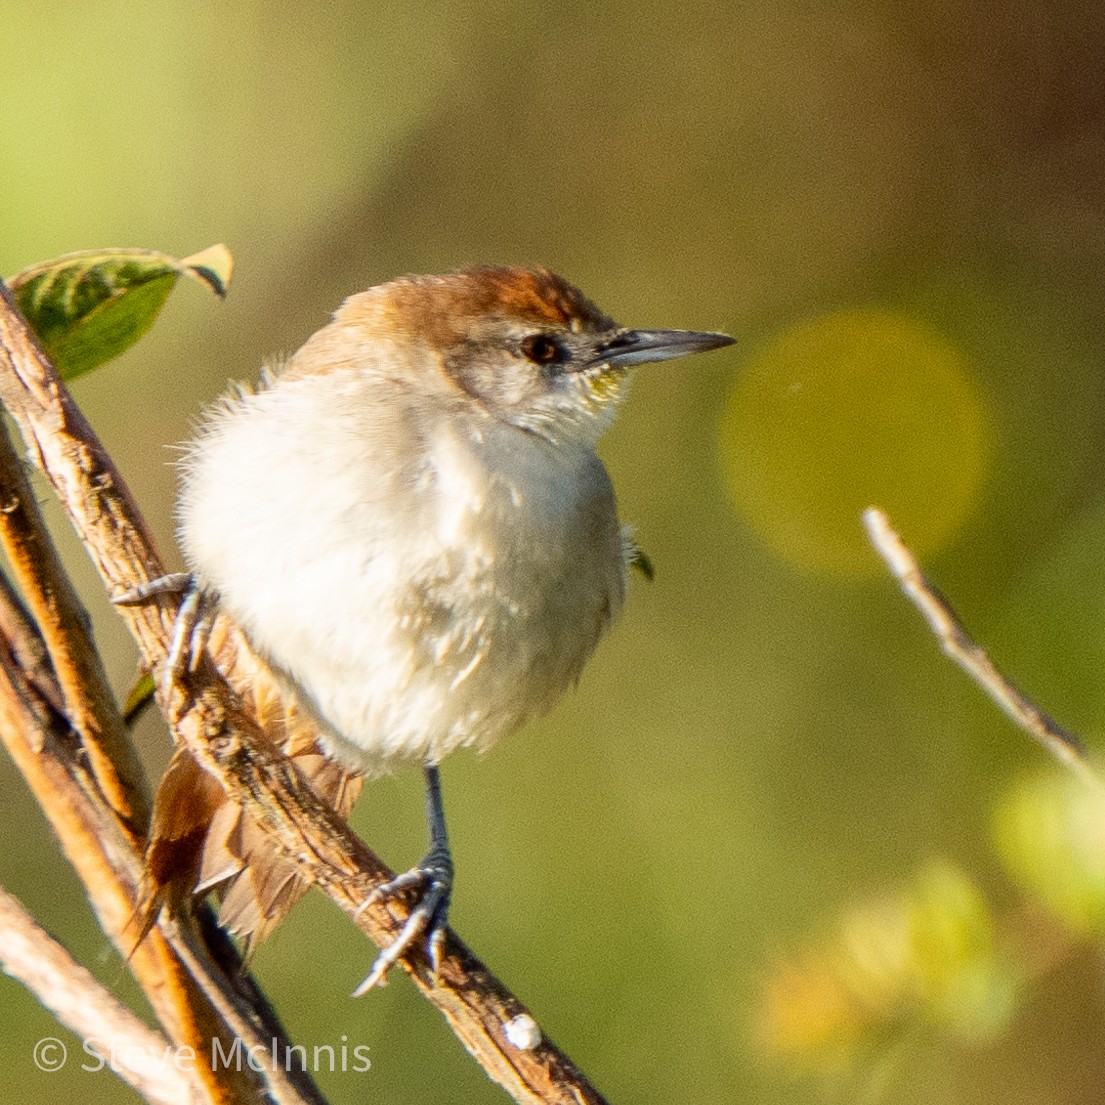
point(209, 719)
point(28, 649)
point(47, 753)
point(139, 1055)
point(193, 998)
point(971, 657)
point(63, 628)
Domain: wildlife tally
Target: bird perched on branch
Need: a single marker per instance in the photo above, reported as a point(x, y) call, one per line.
point(410, 525)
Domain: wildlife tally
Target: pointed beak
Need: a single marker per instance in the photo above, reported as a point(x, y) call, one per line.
point(633, 347)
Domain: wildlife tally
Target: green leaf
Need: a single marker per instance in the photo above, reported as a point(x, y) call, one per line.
point(213, 266)
point(87, 308)
point(141, 696)
point(1049, 831)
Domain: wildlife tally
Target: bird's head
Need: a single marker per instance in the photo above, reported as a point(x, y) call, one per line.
point(522, 344)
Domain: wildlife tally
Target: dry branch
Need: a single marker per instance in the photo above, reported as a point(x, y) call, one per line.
point(216, 727)
point(958, 644)
point(63, 628)
point(141, 1057)
point(102, 845)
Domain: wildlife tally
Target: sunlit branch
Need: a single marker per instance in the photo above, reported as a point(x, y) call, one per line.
point(971, 657)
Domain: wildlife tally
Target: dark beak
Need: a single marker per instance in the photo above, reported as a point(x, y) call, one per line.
point(633, 347)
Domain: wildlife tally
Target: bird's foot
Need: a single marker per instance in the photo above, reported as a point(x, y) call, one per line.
point(190, 628)
point(434, 878)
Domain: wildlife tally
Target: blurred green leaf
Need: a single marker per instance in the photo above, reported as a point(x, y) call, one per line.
point(925, 955)
point(89, 307)
point(1050, 834)
point(961, 979)
point(140, 697)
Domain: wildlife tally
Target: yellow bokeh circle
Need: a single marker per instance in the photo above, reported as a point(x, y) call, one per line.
point(853, 409)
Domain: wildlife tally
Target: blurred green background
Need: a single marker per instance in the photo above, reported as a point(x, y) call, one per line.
point(899, 210)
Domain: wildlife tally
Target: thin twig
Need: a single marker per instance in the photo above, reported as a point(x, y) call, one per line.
point(48, 754)
point(140, 1056)
point(17, 627)
point(210, 720)
point(64, 628)
point(104, 849)
point(962, 648)
point(247, 1014)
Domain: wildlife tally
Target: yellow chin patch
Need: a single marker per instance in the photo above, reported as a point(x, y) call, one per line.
point(603, 387)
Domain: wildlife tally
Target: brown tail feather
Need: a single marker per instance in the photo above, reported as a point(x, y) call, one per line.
point(200, 839)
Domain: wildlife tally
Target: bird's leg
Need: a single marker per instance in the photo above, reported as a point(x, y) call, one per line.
point(434, 875)
point(191, 626)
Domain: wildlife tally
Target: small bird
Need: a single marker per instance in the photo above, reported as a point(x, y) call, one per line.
point(410, 524)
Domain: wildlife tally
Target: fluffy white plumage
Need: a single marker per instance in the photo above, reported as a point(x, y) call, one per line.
point(411, 525)
point(424, 573)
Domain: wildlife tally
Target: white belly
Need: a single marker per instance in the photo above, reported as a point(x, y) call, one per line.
point(421, 593)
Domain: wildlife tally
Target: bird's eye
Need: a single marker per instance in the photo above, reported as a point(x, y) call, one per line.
point(541, 349)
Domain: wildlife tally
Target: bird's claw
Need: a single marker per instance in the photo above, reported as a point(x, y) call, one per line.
point(190, 628)
point(430, 915)
point(174, 583)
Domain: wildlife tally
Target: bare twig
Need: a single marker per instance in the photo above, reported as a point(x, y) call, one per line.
point(961, 647)
point(48, 755)
point(140, 1056)
point(63, 626)
point(17, 627)
point(103, 846)
point(213, 724)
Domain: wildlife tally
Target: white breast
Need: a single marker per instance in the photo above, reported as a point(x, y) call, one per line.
point(424, 581)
